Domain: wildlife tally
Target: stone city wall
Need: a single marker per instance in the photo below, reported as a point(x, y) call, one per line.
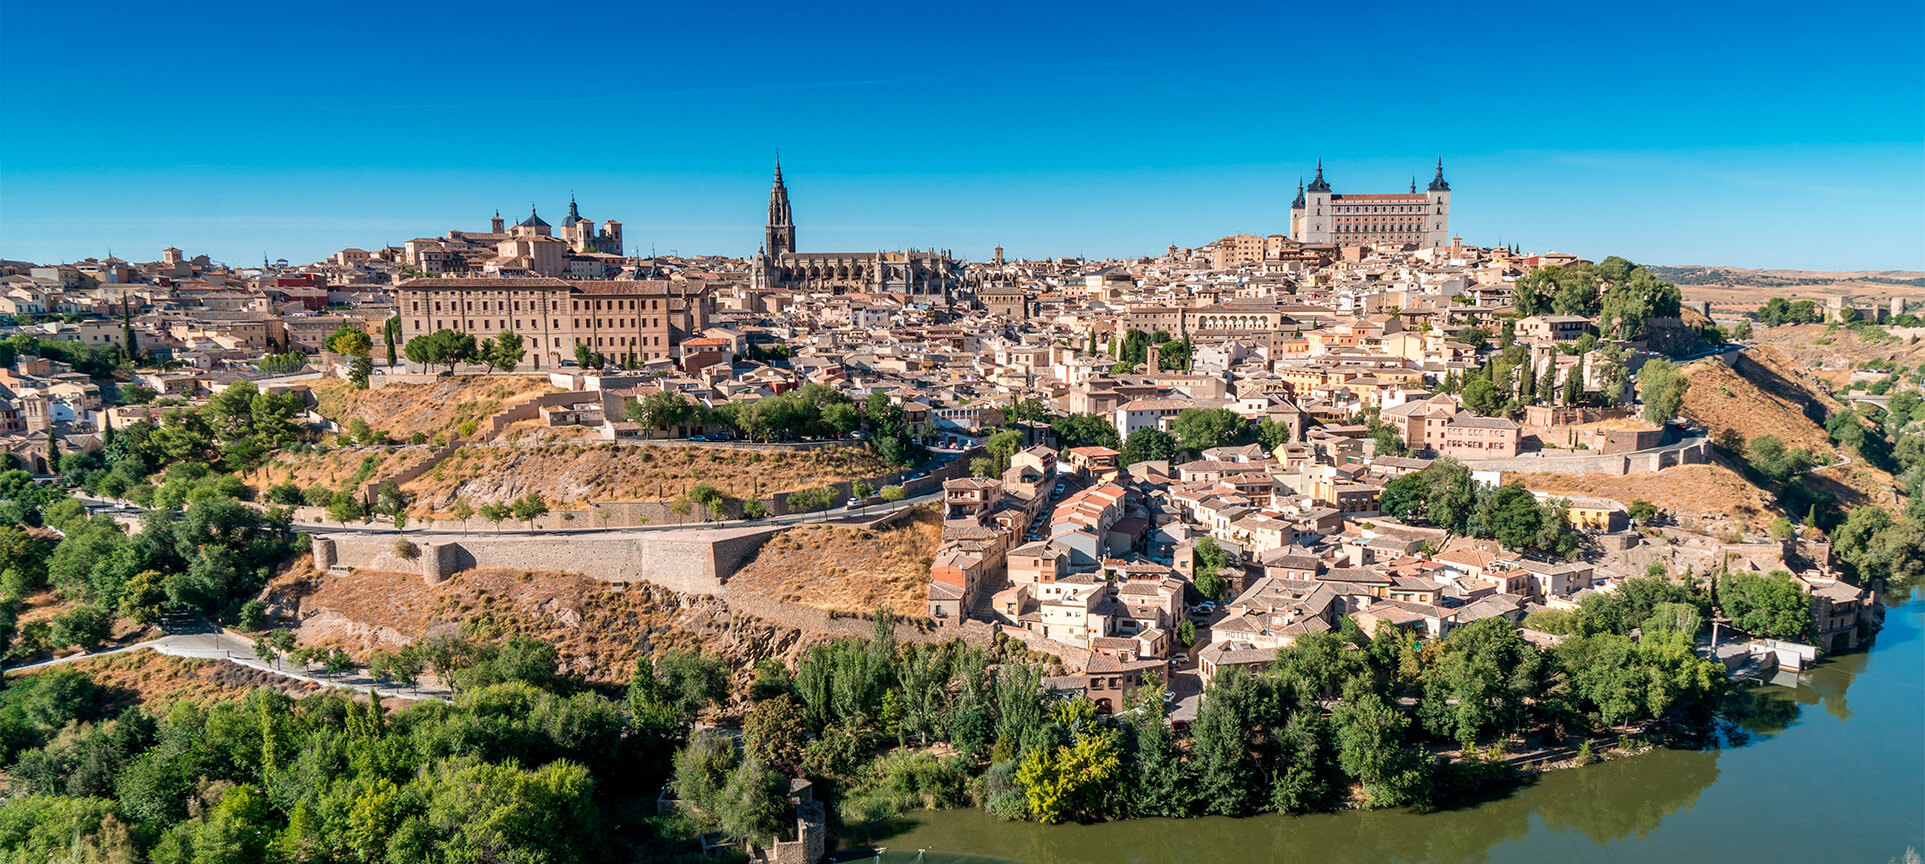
point(1694, 452)
point(692, 562)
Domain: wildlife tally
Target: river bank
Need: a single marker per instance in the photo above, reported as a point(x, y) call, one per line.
point(1783, 783)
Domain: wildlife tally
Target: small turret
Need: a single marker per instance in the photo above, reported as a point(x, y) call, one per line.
point(1437, 183)
point(1318, 184)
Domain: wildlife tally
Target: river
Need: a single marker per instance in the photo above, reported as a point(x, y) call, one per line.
point(1831, 769)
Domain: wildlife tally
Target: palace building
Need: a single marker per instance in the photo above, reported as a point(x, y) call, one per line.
point(926, 275)
point(1419, 219)
point(622, 319)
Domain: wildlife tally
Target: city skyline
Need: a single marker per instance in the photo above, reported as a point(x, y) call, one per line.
point(997, 136)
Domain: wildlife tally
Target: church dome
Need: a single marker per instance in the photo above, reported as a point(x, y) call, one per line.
point(533, 221)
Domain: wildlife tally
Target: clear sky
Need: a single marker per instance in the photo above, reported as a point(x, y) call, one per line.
point(1756, 134)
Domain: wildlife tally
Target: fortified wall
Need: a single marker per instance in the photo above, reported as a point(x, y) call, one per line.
point(1693, 452)
point(692, 562)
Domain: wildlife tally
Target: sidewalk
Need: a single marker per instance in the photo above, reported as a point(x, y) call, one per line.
point(224, 645)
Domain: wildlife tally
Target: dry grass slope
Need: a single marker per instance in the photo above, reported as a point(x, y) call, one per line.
point(578, 473)
point(158, 681)
point(1765, 392)
point(1707, 497)
point(334, 468)
point(428, 408)
point(840, 569)
point(598, 629)
point(1833, 351)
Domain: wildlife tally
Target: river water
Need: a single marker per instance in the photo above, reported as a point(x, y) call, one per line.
point(1830, 769)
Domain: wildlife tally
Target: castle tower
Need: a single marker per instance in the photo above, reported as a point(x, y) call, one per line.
point(1437, 210)
point(779, 236)
point(1296, 216)
point(1317, 214)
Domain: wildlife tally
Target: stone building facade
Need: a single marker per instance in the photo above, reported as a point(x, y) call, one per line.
point(928, 275)
point(622, 319)
point(1420, 219)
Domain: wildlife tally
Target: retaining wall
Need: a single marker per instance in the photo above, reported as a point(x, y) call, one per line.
point(1694, 452)
point(692, 562)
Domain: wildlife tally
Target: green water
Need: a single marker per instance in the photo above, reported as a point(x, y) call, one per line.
point(1831, 770)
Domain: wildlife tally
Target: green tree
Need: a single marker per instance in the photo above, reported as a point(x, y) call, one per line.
point(360, 371)
point(504, 351)
point(1482, 681)
point(349, 340)
point(1070, 782)
point(1661, 386)
point(1084, 430)
point(1771, 606)
point(1149, 445)
point(1210, 561)
point(528, 508)
point(1372, 748)
point(1201, 429)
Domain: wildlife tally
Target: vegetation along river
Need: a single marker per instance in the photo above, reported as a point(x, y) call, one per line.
point(1829, 766)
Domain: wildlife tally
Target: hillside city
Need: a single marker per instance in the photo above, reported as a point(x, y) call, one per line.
point(519, 540)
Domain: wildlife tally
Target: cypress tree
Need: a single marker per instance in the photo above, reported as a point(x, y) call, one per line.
point(127, 340)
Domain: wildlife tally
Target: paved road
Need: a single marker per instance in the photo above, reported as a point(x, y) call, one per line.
point(225, 645)
point(834, 515)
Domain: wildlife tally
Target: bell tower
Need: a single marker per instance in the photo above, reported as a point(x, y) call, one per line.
point(779, 236)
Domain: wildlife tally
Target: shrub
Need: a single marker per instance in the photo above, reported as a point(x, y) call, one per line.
point(286, 495)
point(405, 548)
point(253, 616)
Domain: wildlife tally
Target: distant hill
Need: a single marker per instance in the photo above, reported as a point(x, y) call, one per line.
point(1698, 274)
point(1736, 289)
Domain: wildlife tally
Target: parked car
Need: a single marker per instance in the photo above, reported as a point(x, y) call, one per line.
point(852, 504)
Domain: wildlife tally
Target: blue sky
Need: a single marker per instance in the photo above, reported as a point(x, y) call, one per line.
point(1758, 134)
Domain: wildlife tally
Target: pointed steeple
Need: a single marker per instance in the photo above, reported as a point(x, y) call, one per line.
point(574, 215)
point(779, 236)
point(1318, 184)
point(1298, 204)
point(1413, 183)
point(1437, 183)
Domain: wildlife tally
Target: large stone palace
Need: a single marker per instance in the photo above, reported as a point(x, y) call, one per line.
point(640, 320)
point(927, 275)
point(1420, 219)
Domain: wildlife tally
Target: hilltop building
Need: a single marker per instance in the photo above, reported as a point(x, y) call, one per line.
point(923, 275)
point(1414, 218)
point(625, 320)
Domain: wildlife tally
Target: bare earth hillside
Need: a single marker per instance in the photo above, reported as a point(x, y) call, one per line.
point(404, 409)
point(576, 473)
point(1829, 350)
point(841, 569)
point(157, 681)
point(1733, 289)
point(1765, 392)
point(1705, 497)
point(598, 629)
point(336, 469)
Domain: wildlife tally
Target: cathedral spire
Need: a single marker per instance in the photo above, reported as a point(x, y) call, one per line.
point(779, 236)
